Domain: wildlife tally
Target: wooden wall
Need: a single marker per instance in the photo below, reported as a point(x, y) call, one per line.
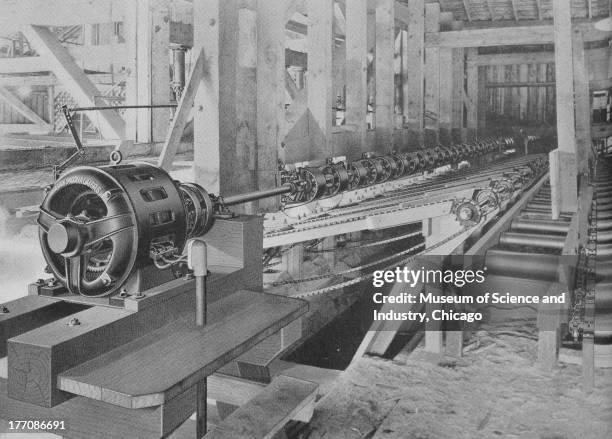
point(521, 105)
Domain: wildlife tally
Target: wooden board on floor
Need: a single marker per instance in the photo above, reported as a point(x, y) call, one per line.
point(269, 411)
point(140, 374)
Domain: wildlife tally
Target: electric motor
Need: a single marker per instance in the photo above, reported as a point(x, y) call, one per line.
point(97, 224)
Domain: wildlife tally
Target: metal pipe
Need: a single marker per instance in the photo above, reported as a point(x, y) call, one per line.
point(257, 195)
point(536, 266)
point(540, 225)
point(532, 240)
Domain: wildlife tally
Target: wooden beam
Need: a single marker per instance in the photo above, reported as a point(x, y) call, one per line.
point(590, 8)
point(110, 123)
point(290, 86)
point(500, 59)
point(582, 99)
point(432, 74)
point(18, 13)
point(519, 84)
point(402, 12)
point(446, 89)
point(385, 74)
point(458, 89)
point(414, 92)
point(271, 77)
point(182, 114)
point(357, 69)
point(515, 10)
point(466, 8)
point(17, 105)
point(472, 91)
point(319, 90)
point(214, 106)
point(506, 36)
point(26, 64)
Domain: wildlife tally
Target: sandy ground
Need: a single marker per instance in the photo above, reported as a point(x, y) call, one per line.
point(493, 392)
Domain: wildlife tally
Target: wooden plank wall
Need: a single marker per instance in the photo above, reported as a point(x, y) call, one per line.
point(527, 106)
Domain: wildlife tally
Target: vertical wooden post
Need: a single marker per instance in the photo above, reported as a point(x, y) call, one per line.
point(583, 102)
point(143, 70)
point(357, 70)
point(270, 93)
point(160, 74)
point(214, 105)
point(131, 89)
point(432, 77)
point(457, 87)
point(446, 95)
point(385, 74)
point(413, 93)
point(293, 260)
point(472, 92)
point(566, 191)
point(51, 105)
point(319, 79)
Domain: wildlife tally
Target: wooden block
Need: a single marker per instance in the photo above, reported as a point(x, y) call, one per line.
point(138, 374)
point(29, 312)
point(454, 343)
point(269, 411)
point(86, 418)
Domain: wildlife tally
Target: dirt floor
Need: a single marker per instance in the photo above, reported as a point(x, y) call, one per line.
point(494, 391)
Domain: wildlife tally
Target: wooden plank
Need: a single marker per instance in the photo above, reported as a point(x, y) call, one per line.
point(270, 94)
point(319, 90)
point(385, 74)
point(416, 55)
point(432, 73)
point(30, 312)
point(582, 99)
point(539, 8)
point(505, 36)
point(515, 10)
point(182, 114)
point(446, 88)
point(466, 8)
point(269, 411)
point(110, 123)
point(564, 76)
point(15, 103)
point(137, 374)
point(472, 91)
point(356, 70)
point(549, 321)
point(26, 64)
point(458, 89)
point(514, 58)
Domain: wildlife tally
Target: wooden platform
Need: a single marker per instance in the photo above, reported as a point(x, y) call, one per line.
point(269, 411)
point(159, 366)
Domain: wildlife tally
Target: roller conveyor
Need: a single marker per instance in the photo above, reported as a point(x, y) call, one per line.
point(539, 225)
point(536, 266)
point(533, 240)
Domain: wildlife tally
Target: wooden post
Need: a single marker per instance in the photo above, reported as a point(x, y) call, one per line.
point(385, 74)
point(432, 77)
point(160, 74)
point(472, 92)
point(144, 63)
point(413, 93)
point(293, 260)
point(270, 93)
point(131, 89)
point(567, 191)
point(446, 95)
point(583, 102)
point(214, 105)
point(356, 70)
point(458, 90)
point(319, 79)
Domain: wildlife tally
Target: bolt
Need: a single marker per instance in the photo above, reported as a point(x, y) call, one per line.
point(51, 282)
point(138, 295)
point(40, 281)
point(74, 322)
point(4, 310)
point(123, 293)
